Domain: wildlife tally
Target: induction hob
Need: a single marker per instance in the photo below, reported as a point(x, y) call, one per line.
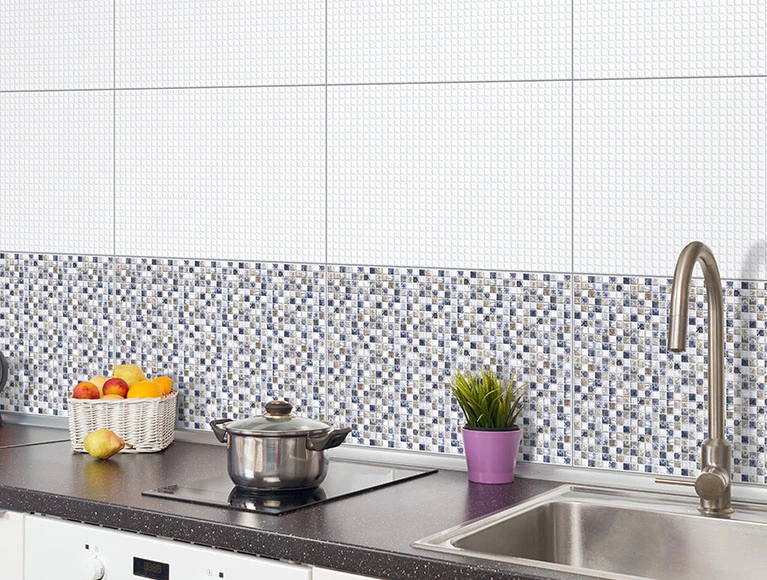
point(344, 478)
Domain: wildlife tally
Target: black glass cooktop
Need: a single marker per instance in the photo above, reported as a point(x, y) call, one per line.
point(344, 478)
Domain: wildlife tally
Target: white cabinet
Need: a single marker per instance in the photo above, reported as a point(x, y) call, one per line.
point(12, 545)
point(61, 550)
point(325, 574)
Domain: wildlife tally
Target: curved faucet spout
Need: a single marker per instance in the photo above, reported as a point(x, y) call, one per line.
point(677, 326)
point(713, 483)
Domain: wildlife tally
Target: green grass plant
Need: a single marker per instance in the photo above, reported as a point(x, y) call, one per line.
point(487, 401)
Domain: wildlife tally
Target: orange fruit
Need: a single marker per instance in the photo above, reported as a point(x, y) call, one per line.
point(165, 382)
point(145, 390)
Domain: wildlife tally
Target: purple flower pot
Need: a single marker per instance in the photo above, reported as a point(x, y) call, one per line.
point(491, 454)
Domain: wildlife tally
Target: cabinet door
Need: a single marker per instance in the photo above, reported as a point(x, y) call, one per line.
point(325, 574)
point(60, 550)
point(12, 545)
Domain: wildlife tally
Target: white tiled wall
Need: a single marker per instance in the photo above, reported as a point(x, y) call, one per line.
point(669, 38)
point(200, 43)
point(221, 173)
point(416, 41)
point(56, 44)
point(663, 162)
point(56, 181)
point(475, 134)
point(450, 175)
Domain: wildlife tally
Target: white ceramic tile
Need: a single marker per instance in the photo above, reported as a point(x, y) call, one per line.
point(661, 163)
point(185, 43)
point(56, 181)
point(669, 38)
point(221, 173)
point(453, 40)
point(56, 44)
point(454, 175)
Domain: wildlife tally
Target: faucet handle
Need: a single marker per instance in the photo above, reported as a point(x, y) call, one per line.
point(711, 483)
point(685, 482)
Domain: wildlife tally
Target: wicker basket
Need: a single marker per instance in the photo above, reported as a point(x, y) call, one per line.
point(147, 424)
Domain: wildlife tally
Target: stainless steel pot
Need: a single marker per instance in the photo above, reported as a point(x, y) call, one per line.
point(277, 450)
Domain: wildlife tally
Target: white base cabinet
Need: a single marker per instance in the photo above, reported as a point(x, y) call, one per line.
point(72, 551)
point(61, 550)
point(325, 574)
point(12, 545)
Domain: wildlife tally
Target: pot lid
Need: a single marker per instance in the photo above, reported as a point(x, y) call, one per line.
point(278, 420)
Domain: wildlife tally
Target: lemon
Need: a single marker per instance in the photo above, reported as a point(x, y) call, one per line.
point(131, 374)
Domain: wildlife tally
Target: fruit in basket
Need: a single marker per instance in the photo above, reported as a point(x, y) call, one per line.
point(86, 390)
point(115, 386)
point(145, 390)
point(99, 381)
point(103, 443)
point(112, 398)
point(131, 374)
point(165, 382)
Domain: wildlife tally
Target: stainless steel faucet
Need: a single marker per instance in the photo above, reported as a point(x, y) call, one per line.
point(714, 481)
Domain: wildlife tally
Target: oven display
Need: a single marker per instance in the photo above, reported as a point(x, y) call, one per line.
point(150, 569)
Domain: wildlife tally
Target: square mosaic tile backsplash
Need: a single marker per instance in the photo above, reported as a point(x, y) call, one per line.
point(375, 348)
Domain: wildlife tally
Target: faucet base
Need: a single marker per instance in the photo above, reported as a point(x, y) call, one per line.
point(714, 483)
point(715, 512)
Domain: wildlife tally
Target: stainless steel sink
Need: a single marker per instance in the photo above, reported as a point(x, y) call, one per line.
point(617, 534)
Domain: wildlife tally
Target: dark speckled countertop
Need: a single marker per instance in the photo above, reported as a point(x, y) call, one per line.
point(368, 534)
point(12, 435)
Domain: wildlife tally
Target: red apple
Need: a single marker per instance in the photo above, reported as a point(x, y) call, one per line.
point(115, 386)
point(86, 390)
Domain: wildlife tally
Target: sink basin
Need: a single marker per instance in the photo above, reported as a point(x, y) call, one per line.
point(617, 534)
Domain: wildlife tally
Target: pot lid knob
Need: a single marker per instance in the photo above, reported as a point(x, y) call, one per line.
point(278, 410)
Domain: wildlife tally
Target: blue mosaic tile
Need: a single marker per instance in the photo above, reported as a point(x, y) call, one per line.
point(637, 407)
point(237, 334)
point(233, 335)
point(13, 335)
point(88, 317)
point(55, 326)
point(396, 337)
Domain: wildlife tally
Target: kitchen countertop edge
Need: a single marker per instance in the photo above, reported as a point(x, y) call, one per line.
point(344, 557)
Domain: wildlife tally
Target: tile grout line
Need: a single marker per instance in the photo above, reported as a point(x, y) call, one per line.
point(326, 306)
point(386, 84)
point(402, 83)
point(572, 233)
point(113, 290)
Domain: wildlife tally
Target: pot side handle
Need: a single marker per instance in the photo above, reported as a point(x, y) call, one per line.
point(218, 431)
point(328, 441)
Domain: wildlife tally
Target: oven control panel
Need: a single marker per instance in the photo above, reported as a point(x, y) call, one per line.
point(72, 551)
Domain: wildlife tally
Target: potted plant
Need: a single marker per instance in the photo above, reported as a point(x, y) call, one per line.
point(491, 436)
